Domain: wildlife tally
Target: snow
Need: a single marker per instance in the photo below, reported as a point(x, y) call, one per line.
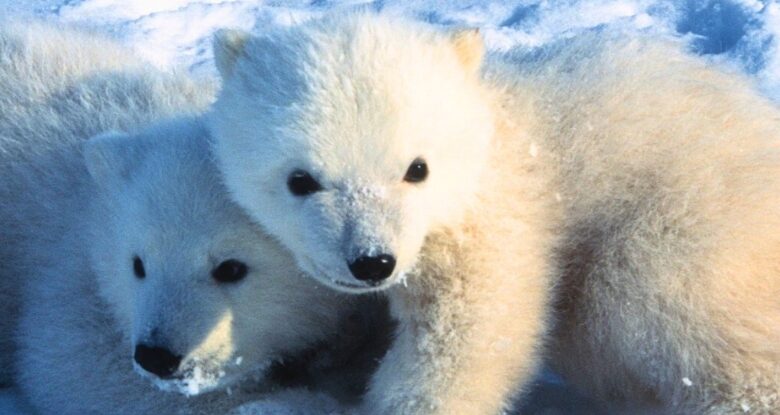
point(177, 33)
point(742, 34)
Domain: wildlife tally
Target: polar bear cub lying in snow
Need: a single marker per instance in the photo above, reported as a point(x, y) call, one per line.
point(128, 257)
point(371, 149)
point(176, 286)
point(386, 156)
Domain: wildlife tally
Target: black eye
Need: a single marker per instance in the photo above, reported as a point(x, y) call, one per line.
point(301, 183)
point(138, 267)
point(229, 271)
point(417, 172)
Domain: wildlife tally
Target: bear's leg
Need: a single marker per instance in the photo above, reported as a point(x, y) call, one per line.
point(469, 330)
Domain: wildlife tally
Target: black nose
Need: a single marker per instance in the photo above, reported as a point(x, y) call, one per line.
point(157, 360)
point(372, 268)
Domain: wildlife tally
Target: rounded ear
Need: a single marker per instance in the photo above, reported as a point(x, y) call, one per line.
point(228, 46)
point(110, 158)
point(470, 48)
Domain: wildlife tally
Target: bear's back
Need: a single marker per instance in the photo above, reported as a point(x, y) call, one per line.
point(670, 175)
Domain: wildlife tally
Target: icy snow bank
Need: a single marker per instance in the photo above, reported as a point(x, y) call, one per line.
point(741, 33)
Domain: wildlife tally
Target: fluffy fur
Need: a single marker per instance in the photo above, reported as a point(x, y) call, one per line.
point(670, 294)
point(58, 88)
point(74, 217)
point(353, 101)
point(667, 171)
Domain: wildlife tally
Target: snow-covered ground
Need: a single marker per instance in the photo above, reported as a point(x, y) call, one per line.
point(176, 33)
point(743, 34)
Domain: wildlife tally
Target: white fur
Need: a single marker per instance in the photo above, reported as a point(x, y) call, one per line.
point(354, 100)
point(670, 168)
point(73, 220)
point(353, 104)
point(667, 171)
point(58, 88)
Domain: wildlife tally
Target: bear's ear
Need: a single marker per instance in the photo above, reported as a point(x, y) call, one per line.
point(111, 157)
point(470, 48)
point(228, 46)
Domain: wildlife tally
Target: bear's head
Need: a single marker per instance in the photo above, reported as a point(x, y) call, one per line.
point(352, 138)
point(202, 295)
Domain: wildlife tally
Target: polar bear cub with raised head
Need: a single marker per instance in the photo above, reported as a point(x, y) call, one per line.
point(127, 255)
point(370, 148)
point(381, 156)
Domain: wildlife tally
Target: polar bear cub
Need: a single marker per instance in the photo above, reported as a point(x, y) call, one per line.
point(175, 285)
point(124, 254)
point(370, 148)
point(380, 155)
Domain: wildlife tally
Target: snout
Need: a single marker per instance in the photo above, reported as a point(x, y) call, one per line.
point(157, 360)
point(372, 269)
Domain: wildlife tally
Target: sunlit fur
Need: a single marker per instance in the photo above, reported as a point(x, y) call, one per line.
point(670, 295)
point(353, 103)
point(667, 171)
point(354, 100)
point(75, 215)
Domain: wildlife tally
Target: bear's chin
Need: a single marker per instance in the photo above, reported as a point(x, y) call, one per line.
point(197, 379)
